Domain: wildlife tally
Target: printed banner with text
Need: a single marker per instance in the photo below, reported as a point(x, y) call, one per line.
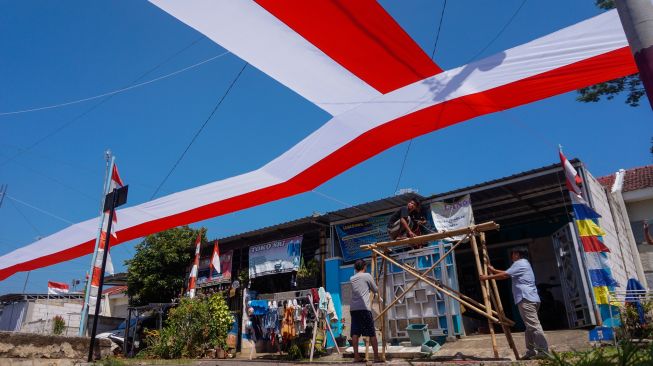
point(354, 234)
point(451, 216)
point(275, 257)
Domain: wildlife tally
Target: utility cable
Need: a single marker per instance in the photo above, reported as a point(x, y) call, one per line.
point(437, 35)
point(28, 221)
point(217, 105)
point(14, 199)
point(505, 26)
point(92, 108)
point(117, 91)
point(435, 46)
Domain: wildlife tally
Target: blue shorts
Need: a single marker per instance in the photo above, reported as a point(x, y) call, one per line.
point(362, 323)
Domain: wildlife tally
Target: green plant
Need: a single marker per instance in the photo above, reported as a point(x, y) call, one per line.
point(308, 269)
point(193, 327)
point(243, 276)
point(631, 325)
point(626, 353)
point(294, 353)
point(58, 325)
point(220, 319)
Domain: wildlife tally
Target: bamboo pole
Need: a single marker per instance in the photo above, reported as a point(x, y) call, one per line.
point(384, 329)
point(396, 299)
point(437, 287)
point(497, 299)
point(484, 292)
point(486, 226)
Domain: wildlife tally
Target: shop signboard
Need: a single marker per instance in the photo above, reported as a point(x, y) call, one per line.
point(354, 234)
point(451, 216)
point(278, 256)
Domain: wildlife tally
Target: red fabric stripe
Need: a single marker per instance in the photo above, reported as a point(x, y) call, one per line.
point(359, 35)
point(571, 77)
point(592, 244)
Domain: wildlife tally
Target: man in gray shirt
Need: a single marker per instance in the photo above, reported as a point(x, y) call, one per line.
point(525, 295)
point(362, 322)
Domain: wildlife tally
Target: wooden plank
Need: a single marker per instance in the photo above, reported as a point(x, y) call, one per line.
point(486, 226)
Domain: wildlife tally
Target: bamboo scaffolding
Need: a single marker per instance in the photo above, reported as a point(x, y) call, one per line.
point(397, 298)
point(489, 289)
point(437, 286)
point(486, 298)
point(496, 299)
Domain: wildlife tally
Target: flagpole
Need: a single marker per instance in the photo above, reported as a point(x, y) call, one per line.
point(47, 309)
point(105, 253)
point(83, 319)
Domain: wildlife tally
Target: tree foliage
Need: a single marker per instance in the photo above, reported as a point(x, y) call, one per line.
point(631, 84)
point(193, 327)
point(156, 272)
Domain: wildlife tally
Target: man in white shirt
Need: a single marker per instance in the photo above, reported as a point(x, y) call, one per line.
point(525, 295)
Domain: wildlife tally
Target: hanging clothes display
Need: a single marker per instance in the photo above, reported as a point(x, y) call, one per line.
point(288, 331)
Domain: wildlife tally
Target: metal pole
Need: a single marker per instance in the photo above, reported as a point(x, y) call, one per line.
point(85, 306)
point(637, 19)
point(26, 279)
point(104, 264)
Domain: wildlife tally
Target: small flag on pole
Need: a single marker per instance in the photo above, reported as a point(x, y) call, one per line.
point(196, 264)
point(573, 180)
point(57, 288)
point(215, 260)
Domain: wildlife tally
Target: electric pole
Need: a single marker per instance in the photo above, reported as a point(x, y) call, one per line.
point(637, 19)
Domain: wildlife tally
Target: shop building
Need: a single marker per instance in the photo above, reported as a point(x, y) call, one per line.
point(533, 209)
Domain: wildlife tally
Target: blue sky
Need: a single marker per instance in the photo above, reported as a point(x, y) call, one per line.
point(55, 52)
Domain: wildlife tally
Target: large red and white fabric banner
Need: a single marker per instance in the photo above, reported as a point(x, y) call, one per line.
point(352, 60)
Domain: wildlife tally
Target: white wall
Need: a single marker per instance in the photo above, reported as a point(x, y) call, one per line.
point(41, 312)
point(623, 256)
point(640, 210)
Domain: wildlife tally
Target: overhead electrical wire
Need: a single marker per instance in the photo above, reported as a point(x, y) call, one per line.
point(435, 46)
point(505, 26)
point(215, 108)
point(117, 91)
point(106, 99)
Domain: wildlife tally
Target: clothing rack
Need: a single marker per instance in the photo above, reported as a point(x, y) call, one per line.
point(317, 312)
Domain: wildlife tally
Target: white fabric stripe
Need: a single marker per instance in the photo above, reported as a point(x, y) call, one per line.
point(587, 39)
point(590, 38)
point(258, 37)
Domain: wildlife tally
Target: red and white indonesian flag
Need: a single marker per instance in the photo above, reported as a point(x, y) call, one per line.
point(215, 258)
point(57, 288)
point(351, 59)
point(572, 179)
point(192, 280)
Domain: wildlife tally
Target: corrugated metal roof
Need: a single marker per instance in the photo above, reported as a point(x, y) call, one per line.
point(484, 191)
